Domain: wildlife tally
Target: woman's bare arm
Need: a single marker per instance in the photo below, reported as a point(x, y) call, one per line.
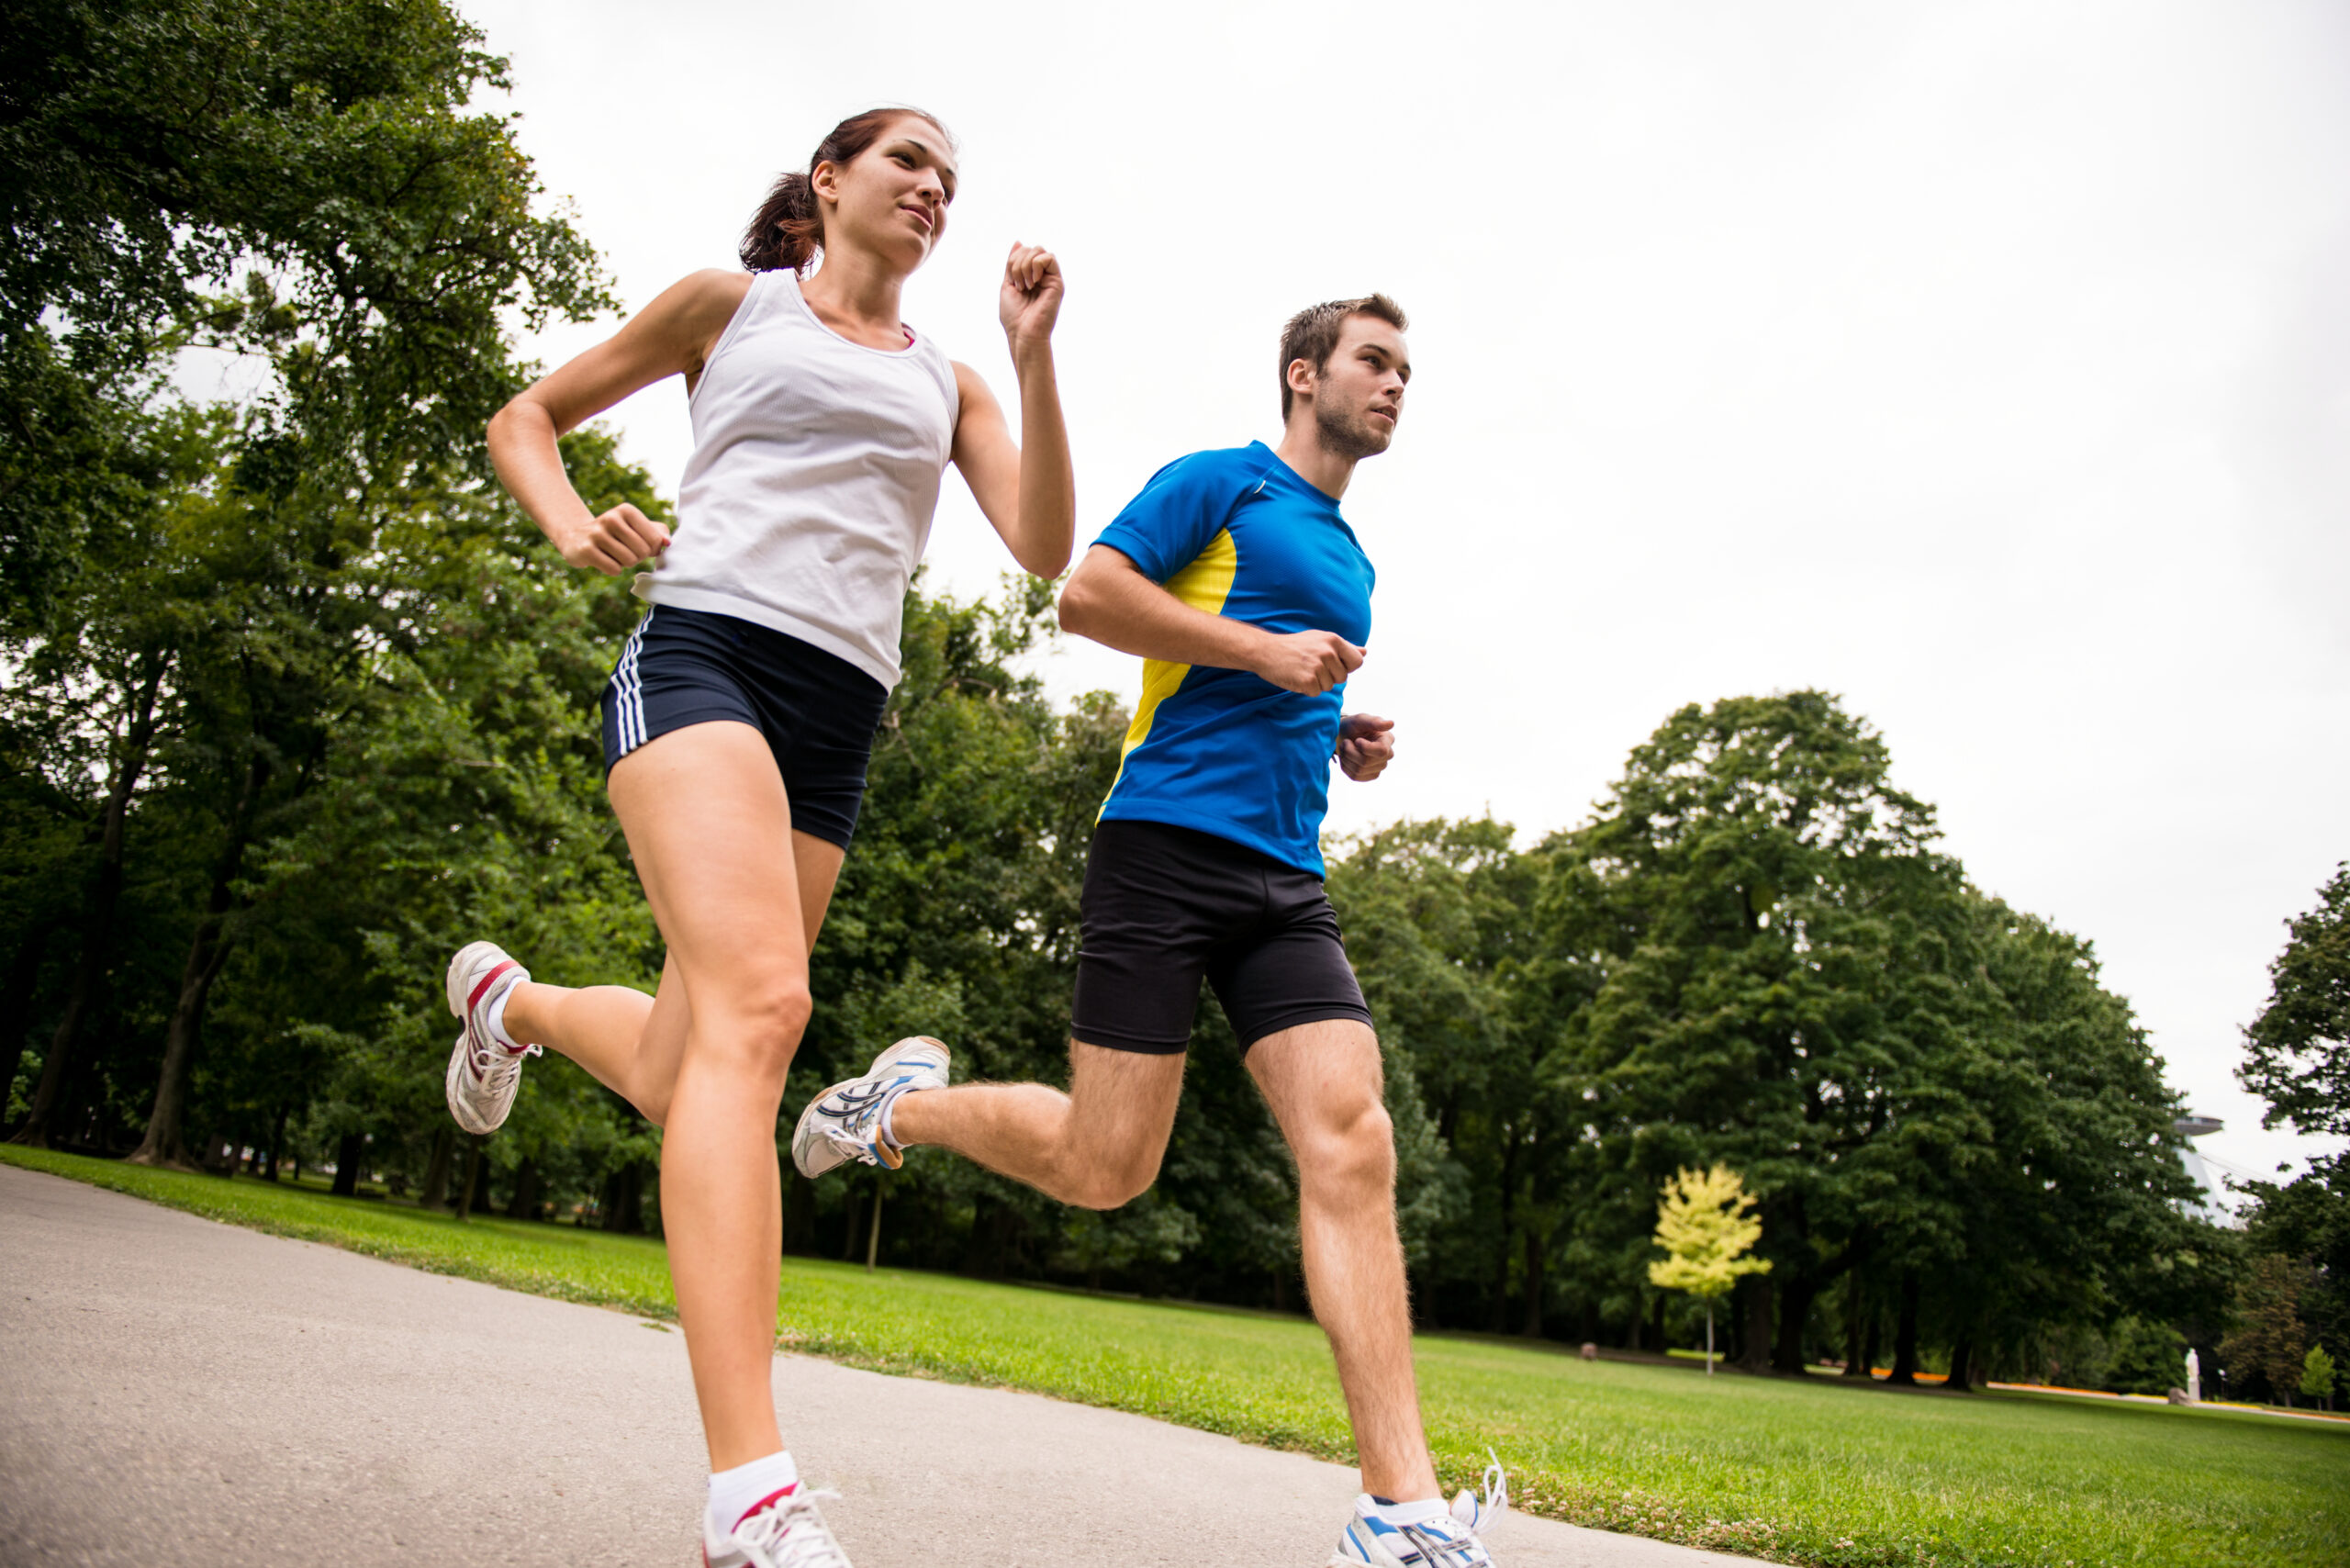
point(672, 336)
point(1027, 488)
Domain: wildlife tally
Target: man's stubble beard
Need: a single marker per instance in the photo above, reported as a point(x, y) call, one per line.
point(1351, 440)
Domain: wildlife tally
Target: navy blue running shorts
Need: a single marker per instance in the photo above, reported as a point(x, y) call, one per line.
point(1166, 906)
point(817, 711)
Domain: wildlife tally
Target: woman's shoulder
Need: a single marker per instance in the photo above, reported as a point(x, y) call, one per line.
point(697, 307)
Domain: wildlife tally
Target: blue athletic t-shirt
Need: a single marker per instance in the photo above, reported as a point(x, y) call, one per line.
point(1237, 532)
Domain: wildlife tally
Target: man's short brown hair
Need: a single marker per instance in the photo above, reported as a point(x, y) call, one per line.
point(1312, 333)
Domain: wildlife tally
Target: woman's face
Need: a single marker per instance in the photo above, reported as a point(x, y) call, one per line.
point(892, 199)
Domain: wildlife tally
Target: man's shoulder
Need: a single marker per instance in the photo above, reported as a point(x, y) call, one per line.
point(1216, 467)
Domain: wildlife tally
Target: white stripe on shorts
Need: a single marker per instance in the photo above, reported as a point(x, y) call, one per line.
point(628, 691)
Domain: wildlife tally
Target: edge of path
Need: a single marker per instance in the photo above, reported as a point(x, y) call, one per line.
point(220, 1204)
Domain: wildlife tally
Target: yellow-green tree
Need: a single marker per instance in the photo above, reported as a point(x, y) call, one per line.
point(1703, 1226)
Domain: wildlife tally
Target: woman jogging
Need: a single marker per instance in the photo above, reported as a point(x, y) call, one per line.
point(741, 712)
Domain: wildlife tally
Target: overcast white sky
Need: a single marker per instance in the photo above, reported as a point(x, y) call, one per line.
point(1988, 366)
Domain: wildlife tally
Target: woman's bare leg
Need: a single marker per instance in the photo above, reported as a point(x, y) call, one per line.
point(710, 827)
point(632, 1043)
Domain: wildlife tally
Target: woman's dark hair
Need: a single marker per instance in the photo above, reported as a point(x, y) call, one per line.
point(788, 229)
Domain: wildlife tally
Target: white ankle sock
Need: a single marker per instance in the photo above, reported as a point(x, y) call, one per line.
point(890, 1109)
point(1412, 1513)
point(734, 1492)
point(496, 1019)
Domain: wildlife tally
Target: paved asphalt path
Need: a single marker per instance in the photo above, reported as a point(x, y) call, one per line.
point(175, 1392)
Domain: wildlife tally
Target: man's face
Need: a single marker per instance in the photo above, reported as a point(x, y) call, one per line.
point(1359, 396)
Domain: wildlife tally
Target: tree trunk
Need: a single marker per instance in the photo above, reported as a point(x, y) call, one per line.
point(1795, 1317)
point(1534, 1286)
point(1860, 1335)
point(472, 1188)
point(524, 1203)
point(872, 1237)
point(97, 914)
point(16, 1002)
point(848, 1232)
point(1872, 1341)
point(276, 1143)
point(1757, 1357)
point(349, 1152)
point(1500, 1324)
point(624, 1200)
point(1709, 1336)
point(1905, 1334)
point(206, 954)
point(481, 1181)
point(436, 1169)
point(799, 1215)
point(1656, 1323)
point(1961, 1363)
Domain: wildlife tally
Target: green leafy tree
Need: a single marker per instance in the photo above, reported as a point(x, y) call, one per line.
point(2317, 1376)
point(2148, 1358)
point(1435, 920)
point(1764, 920)
point(2270, 1342)
point(304, 185)
point(1704, 1226)
point(2297, 1053)
point(2064, 1186)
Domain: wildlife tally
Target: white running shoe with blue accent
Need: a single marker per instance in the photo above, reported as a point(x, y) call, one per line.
point(783, 1530)
point(1444, 1541)
point(844, 1123)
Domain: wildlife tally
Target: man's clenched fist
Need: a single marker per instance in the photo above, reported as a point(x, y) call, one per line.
point(1366, 746)
point(1308, 663)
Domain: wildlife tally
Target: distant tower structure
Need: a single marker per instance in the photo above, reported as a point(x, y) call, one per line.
point(2210, 1206)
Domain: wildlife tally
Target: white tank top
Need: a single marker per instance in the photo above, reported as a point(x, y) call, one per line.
point(807, 499)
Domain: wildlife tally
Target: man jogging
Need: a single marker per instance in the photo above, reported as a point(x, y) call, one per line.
point(1235, 578)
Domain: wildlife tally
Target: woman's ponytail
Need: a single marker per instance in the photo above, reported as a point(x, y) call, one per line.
point(788, 229)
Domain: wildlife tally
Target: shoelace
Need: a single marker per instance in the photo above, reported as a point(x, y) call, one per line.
point(1476, 1514)
point(1446, 1551)
point(853, 1132)
point(498, 1066)
point(848, 1142)
point(793, 1534)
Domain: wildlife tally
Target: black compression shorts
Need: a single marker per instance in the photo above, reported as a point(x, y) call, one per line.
point(817, 711)
point(1166, 905)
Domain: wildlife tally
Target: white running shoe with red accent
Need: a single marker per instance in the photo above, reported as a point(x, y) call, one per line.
point(483, 1073)
point(784, 1530)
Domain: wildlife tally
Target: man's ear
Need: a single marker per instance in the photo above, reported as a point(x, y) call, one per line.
point(1300, 377)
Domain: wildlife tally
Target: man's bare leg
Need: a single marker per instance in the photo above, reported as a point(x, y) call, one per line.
point(1324, 1083)
point(1096, 1146)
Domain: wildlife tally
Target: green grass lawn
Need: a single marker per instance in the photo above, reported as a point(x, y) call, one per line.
point(1804, 1472)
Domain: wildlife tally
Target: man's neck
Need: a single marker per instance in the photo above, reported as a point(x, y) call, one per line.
point(1301, 448)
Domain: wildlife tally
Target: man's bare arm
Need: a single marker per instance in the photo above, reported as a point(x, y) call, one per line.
point(1110, 600)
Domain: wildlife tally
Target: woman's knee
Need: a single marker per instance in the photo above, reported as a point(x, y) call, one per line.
point(755, 1025)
